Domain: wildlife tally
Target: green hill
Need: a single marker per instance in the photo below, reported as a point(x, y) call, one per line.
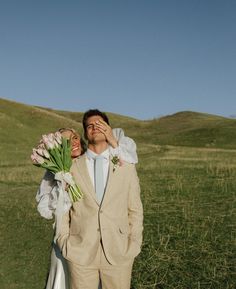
point(194, 129)
point(22, 125)
point(185, 128)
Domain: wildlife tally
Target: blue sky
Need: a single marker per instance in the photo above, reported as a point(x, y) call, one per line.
point(138, 58)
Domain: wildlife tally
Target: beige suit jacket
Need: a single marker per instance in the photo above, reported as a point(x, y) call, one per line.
point(117, 221)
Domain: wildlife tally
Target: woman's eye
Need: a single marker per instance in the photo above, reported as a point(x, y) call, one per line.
point(75, 138)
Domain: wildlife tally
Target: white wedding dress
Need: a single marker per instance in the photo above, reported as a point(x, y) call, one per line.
point(58, 275)
point(53, 200)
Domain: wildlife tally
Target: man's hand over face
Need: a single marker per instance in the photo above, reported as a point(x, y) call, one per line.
point(104, 128)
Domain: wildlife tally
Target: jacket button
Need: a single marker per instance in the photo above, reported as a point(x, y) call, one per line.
point(98, 229)
point(101, 212)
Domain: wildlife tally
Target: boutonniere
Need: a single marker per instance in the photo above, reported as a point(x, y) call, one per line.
point(117, 162)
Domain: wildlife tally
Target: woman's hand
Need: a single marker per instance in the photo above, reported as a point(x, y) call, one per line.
point(104, 128)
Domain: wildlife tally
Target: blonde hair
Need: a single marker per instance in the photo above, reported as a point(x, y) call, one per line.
point(83, 144)
point(63, 129)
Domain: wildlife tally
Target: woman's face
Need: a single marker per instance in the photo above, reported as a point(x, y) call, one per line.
point(74, 138)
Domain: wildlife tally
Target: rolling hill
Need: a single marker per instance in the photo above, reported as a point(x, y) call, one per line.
point(22, 125)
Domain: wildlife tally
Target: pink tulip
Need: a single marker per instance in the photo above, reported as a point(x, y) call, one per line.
point(36, 158)
point(49, 144)
point(46, 154)
point(58, 137)
point(33, 159)
point(40, 152)
point(39, 159)
point(51, 137)
point(55, 143)
point(44, 139)
point(41, 145)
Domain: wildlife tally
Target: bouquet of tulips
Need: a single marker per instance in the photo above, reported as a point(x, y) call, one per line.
point(54, 154)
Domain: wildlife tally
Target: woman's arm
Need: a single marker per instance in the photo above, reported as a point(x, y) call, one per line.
point(47, 196)
point(126, 147)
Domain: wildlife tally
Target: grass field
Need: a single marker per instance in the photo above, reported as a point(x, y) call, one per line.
point(188, 193)
point(189, 197)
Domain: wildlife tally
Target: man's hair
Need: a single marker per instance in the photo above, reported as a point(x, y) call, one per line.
point(92, 112)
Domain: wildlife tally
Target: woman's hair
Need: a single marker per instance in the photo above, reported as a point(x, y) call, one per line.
point(63, 129)
point(82, 142)
point(83, 145)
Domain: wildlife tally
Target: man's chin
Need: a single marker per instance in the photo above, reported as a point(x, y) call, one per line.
point(96, 133)
point(99, 137)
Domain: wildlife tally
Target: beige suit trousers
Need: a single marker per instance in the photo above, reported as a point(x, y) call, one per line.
point(112, 276)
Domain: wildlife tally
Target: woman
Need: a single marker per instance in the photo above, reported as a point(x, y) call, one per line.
point(54, 200)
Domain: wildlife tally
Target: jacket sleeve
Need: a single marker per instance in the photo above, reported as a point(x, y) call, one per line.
point(135, 209)
point(64, 232)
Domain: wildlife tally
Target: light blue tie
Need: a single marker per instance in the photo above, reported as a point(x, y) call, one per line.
point(98, 177)
point(99, 185)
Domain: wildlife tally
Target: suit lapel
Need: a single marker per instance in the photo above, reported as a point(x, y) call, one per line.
point(110, 182)
point(84, 175)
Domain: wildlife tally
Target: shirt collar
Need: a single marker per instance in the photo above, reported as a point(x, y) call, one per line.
point(91, 154)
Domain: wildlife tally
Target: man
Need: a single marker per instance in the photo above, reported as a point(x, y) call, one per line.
point(102, 233)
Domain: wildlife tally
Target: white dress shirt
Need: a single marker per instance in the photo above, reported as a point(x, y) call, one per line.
point(90, 155)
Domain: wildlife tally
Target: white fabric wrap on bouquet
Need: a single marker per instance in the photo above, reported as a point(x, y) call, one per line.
point(64, 177)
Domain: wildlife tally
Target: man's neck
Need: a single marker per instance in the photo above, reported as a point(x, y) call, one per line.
point(98, 148)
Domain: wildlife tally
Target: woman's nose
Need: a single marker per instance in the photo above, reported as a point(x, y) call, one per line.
point(77, 143)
